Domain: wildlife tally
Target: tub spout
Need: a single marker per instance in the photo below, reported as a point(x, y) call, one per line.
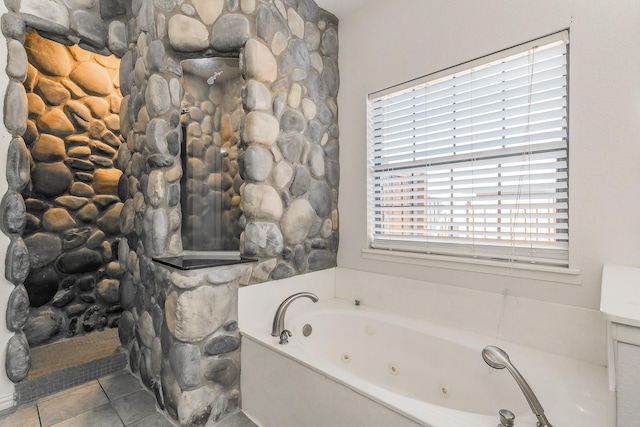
point(278, 319)
point(499, 359)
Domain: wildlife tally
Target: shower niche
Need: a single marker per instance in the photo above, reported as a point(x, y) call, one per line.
point(211, 118)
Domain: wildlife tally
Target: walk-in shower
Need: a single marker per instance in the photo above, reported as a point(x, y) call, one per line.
point(211, 121)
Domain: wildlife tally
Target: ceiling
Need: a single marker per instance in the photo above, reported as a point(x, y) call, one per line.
point(341, 8)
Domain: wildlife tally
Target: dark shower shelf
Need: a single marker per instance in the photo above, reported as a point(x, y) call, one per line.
point(190, 263)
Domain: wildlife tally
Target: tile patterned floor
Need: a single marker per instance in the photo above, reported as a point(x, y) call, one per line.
point(113, 401)
point(117, 400)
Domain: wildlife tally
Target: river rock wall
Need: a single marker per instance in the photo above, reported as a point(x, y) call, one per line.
point(73, 200)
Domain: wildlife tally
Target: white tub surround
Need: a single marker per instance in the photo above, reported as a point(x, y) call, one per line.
point(620, 304)
point(376, 365)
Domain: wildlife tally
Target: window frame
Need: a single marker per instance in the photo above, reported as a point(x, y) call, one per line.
point(398, 247)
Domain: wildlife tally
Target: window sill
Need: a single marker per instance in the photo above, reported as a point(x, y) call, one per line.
point(520, 270)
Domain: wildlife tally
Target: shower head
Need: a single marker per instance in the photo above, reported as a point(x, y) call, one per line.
point(211, 80)
point(495, 357)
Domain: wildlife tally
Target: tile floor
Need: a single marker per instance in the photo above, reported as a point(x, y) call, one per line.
point(114, 401)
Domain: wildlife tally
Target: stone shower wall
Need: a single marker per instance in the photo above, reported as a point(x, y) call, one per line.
point(181, 329)
point(288, 159)
point(73, 201)
point(210, 185)
point(94, 26)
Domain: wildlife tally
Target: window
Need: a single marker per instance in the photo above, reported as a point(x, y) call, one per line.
point(473, 161)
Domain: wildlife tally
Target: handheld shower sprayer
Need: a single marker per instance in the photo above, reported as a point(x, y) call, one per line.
point(499, 359)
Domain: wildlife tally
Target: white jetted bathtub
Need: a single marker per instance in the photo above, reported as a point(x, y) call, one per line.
point(360, 366)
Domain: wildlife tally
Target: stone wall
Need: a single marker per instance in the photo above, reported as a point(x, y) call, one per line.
point(73, 201)
point(94, 26)
point(181, 329)
point(288, 160)
point(289, 131)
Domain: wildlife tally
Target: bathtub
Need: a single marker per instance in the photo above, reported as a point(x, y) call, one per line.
point(360, 366)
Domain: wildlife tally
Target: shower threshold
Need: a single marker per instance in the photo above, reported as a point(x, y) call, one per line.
point(70, 362)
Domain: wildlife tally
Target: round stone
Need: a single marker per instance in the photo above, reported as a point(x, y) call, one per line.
point(109, 222)
point(223, 371)
point(296, 23)
point(47, 56)
point(316, 161)
point(41, 286)
point(187, 34)
point(321, 260)
point(258, 96)
point(282, 271)
point(260, 64)
point(17, 261)
point(16, 108)
point(126, 328)
point(63, 297)
point(330, 77)
point(261, 127)
point(79, 261)
point(43, 325)
point(196, 314)
point(156, 136)
point(92, 78)
point(18, 357)
point(55, 122)
point(14, 213)
point(301, 181)
point(221, 344)
point(312, 35)
point(230, 33)
point(52, 92)
point(185, 362)
point(330, 42)
point(108, 290)
point(18, 165)
point(282, 174)
point(292, 120)
point(43, 249)
point(262, 239)
point(292, 145)
point(57, 219)
point(16, 60)
point(261, 202)
point(156, 188)
point(320, 198)
point(297, 221)
point(105, 181)
point(17, 308)
point(258, 163)
point(300, 53)
point(332, 169)
point(157, 96)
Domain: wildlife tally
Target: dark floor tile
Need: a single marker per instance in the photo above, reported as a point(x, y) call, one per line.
point(154, 420)
point(73, 402)
point(103, 416)
point(134, 407)
point(238, 419)
point(120, 385)
point(26, 416)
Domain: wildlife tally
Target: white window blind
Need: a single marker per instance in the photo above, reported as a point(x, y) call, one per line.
point(474, 163)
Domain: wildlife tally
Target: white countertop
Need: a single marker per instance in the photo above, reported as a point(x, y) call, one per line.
point(620, 294)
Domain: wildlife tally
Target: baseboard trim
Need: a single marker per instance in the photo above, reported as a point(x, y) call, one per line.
point(6, 401)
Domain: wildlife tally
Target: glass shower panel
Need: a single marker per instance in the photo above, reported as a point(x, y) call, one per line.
point(210, 187)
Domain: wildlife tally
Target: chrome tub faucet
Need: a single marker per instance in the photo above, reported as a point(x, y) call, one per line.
point(278, 319)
